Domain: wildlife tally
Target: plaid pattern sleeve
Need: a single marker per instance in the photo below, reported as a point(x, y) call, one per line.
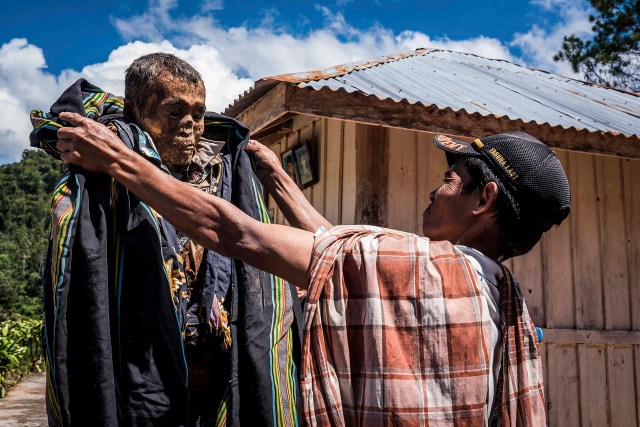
point(396, 332)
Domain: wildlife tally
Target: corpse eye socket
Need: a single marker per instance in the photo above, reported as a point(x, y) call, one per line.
point(198, 113)
point(174, 114)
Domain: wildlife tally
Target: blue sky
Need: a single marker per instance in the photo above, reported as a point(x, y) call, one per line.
point(45, 46)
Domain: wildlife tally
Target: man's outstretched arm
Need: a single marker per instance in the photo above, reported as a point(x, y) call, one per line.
point(208, 220)
point(291, 201)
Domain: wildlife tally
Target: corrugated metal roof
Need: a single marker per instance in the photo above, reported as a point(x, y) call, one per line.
point(474, 84)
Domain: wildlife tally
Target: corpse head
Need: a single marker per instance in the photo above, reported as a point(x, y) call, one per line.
point(165, 96)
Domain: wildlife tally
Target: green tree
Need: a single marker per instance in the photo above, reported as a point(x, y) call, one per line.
point(612, 56)
point(25, 211)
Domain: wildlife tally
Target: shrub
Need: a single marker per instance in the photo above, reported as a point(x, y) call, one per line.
point(20, 351)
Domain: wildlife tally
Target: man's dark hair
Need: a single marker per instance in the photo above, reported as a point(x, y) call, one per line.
point(519, 231)
point(143, 74)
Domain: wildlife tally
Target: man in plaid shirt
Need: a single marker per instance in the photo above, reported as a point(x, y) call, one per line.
point(399, 329)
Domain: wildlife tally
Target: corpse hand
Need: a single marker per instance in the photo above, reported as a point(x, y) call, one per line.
point(87, 143)
point(265, 160)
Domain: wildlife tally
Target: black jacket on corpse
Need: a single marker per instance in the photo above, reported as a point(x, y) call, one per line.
point(116, 302)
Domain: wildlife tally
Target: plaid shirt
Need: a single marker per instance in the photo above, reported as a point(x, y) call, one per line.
point(397, 332)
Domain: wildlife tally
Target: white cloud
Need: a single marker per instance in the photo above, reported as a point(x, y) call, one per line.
point(538, 45)
point(546, 4)
point(26, 85)
point(269, 49)
point(14, 134)
point(210, 5)
point(230, 58)
point(221, 82)
point(482, 46)
point(151, 24)
point(336, 22)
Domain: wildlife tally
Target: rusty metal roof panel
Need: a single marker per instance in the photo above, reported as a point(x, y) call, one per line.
point(474, 84)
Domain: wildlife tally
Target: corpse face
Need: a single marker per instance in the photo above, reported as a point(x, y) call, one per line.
point(174, 118)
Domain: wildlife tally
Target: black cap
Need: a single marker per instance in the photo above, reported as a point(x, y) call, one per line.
point(529, 169)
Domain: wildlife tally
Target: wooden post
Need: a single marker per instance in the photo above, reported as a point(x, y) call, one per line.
point(372, 158)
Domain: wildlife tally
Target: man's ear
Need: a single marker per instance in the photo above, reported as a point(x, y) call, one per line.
point(487, 200)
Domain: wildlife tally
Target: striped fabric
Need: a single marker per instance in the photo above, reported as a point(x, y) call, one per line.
point(282, 367)
point(142, 288)
point(107, 351)
point(105, 288)
point(95, 102)
point(96, 324)
point(397, 333)
point(64, 212)
point(263, 360)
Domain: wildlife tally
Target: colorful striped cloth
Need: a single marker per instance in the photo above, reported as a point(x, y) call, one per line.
point(113, 344)
point(397, 333)
point(260, 370)
point(92, 102)
point(98, 365)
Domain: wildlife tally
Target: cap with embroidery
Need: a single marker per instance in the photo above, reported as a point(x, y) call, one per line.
point(529, 169)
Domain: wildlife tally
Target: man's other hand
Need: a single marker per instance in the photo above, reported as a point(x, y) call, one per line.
point(266, 161)
point(286, 193)
point(87, 143)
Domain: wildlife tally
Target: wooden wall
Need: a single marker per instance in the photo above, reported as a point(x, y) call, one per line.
point(581, 282)
point(333, 151)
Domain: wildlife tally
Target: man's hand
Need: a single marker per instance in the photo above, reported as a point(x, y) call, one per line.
point(266, 161)
point(88, 144)
point(289, 198)
point(208, 220)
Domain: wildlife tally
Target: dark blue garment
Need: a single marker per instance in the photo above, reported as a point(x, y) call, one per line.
point(114, 350)
point(258, 382)
point(113, 324)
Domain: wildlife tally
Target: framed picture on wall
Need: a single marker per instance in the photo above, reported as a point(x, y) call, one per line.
point(305, 165)
point(289, 165)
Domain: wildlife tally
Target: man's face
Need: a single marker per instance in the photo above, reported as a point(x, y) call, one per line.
point(450, 212)
point(175, 118)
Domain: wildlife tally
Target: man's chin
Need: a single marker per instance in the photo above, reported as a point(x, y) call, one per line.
point(429, 232)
